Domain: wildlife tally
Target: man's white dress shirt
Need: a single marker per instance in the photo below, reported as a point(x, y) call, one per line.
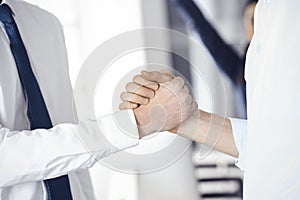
point(28, 157)
point(269, 142)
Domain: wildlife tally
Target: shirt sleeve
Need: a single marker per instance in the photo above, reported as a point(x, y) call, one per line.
point(43, 154)
point(239, 128)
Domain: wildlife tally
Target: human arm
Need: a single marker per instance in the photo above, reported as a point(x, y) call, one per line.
point(224, 55)
point(42, 154)
point(225, 135)
point(209, 129)
point(170, 104)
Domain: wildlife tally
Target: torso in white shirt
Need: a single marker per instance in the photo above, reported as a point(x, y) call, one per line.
point(28, 157)
point(42, 36)
point(272, 163)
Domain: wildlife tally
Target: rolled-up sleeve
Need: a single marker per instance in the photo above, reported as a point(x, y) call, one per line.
point(239, 128)
point(42, 154)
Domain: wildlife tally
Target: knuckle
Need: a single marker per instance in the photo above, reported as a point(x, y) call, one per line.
point(148, 93)
point(178, 82)
point(142, 100)
point(145, 101)
point(180, 79)
point(123, 95)
point(195, 105)
point(184, 97)
point(128, 86)
point(134, 98)
point(152, 85)
point(164, 78)
point(186, 89)
point(165, 71)
point(155, 73)
point(136, 78)
point(181, 82)
point(189, 100)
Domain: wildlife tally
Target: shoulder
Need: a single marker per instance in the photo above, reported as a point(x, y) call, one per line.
point(33, 12)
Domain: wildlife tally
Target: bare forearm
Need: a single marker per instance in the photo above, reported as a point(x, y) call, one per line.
point(202, 127)
point(211, 130)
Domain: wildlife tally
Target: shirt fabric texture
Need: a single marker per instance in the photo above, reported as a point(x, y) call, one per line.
point(28, 157)
point(269, 140)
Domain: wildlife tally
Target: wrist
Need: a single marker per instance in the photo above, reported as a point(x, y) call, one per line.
point(195, 126)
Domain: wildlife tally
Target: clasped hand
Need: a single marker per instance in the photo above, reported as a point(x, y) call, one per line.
point(160, 101)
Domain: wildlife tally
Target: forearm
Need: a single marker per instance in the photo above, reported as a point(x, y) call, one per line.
point(211, 130)
point(42, 154)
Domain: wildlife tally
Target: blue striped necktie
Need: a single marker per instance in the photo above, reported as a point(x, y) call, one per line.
point(57, 188)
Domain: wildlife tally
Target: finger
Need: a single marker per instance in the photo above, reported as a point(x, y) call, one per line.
point(165, 71)
point(189, 100)
point(185, 90)
point(194, 106)
point(177, 83)
point(180, 82)
point(140, 90)
point(127, 105)
point(156, 76)
point(134, 98)
point(139, 79)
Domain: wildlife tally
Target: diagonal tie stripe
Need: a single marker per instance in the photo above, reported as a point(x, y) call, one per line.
point(57, 188)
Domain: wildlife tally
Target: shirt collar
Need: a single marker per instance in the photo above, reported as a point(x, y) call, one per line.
point(9, 4)
point(5, 2)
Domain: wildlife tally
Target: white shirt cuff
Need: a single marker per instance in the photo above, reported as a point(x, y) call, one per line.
point(239, 128)
point(109, 134)
point(120, 129)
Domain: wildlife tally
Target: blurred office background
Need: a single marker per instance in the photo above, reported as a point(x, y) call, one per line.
point(88, 23)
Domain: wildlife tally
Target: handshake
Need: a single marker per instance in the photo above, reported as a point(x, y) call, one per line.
point(160, 102)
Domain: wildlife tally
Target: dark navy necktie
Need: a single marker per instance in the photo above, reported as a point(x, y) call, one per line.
point(57, 188)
